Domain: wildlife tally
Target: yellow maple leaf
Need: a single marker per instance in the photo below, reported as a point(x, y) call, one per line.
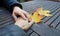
point(44, 12)
point(36, 17)
point(39, 14)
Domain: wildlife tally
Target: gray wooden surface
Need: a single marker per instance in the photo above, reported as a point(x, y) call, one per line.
point(50, 26)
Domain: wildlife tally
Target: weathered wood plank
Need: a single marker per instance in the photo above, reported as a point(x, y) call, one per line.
point(6, 18)
point(31, 6)
point(58, 27)
point(9, 22)
point(34, 34)
point(56, 22)
point(49, 22)
point(50, 8)
point(54, 12)
point(44, 30)
point(29, 32)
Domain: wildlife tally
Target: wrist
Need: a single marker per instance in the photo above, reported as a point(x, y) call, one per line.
point(16, 7)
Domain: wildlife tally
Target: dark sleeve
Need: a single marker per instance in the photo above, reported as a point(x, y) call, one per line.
point(11, 3)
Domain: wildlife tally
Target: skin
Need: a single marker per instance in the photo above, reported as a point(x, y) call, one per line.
point(20, 12)
point(24, 24)
point(22, 20)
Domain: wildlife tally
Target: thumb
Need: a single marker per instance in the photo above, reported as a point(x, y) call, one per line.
point(31, 22)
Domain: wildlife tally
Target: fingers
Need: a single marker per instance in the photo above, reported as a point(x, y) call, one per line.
point(14, 16)
point(26, 14)
point(31, 22)
point(22, 15)
point(20, 12)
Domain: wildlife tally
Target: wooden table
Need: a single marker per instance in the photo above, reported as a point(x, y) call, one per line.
point(50, 26)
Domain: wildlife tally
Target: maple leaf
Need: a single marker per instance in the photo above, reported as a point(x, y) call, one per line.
point(39, 14)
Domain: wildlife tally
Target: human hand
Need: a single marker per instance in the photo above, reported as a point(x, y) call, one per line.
point(24, 24)
point(17, 11)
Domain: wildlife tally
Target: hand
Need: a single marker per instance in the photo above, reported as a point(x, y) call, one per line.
point(24, 24)
point(20, 12)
